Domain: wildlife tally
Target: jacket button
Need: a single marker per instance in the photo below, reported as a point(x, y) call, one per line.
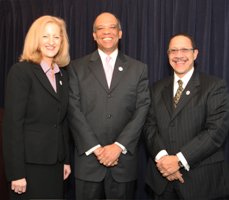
point(109, 116)
point(55, 126)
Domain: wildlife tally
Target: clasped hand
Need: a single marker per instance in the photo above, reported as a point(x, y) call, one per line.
point(169, 168)
point(19, 186)
point(108, 155)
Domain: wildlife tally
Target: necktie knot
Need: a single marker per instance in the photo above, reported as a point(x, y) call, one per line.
point(108, 58)
point(180, 83)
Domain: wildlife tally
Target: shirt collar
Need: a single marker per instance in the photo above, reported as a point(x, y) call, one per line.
point(113, 55)
point(185, 79)
point(46, 67)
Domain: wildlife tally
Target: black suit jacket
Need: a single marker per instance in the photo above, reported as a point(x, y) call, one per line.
point(99, 115)
point(35, 125)
point(197, 128)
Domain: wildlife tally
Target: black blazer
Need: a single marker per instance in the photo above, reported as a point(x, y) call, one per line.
point(198, 128)
point(35, 125)
point(99, 115)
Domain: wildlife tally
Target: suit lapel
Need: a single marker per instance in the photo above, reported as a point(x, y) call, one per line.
point(167, 95)
point(119, 70)
point(41, 76)
point(190, 90)
point(61, 85)
point(96, 67)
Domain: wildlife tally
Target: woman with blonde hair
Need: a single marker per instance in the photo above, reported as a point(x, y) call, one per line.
point(35, 131)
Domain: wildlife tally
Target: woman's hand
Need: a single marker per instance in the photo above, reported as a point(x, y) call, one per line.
point(67, 171)
point(19, 186)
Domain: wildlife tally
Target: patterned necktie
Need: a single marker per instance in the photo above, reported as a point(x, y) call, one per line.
point(178, 93)
point(108, 70)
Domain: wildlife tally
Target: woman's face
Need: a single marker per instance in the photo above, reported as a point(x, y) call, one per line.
point(50, 41)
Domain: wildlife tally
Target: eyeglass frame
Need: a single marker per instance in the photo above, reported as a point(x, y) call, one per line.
point(182, 50)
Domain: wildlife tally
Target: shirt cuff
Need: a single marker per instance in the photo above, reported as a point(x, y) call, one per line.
point(161, 154)
point(183, 161)
point(124, 151)
point(90, 151)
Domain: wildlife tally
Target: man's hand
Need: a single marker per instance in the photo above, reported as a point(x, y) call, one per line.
point(19, 186)
point(175, 176)
point(168, 165)
point(109, 155)
point(98, 152)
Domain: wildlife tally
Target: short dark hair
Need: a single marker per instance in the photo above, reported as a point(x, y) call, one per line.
point(118, 21)
point(185, 35)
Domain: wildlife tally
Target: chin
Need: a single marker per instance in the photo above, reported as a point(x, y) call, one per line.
point(52, 55)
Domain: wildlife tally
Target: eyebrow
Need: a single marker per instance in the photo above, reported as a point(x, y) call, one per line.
point(106, 25)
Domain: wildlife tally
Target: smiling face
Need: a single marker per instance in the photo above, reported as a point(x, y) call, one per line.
point(49, 42)
point(181, 54)
point(107, 32)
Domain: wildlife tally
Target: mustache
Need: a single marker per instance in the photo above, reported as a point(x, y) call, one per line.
point(177, 59)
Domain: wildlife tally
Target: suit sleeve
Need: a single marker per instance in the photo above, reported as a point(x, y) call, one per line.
point(129, 137)
point(17, 93)
point(215, 129)
point(66, 133)
point(67, 142)
point(153, 141)
point(83, 136)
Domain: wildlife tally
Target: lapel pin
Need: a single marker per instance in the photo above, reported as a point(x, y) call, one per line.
point(188, 92)
point(120, 69)
point(60, 82)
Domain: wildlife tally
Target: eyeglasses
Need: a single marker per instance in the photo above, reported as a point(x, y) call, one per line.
point(175, 51)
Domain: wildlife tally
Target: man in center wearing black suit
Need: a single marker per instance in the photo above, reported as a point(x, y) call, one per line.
point(185, 130)
point(109, 100)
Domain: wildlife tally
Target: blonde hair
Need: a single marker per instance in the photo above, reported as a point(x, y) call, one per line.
point(31, 50)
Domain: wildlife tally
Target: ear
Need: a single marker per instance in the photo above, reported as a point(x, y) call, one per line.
point(120, 34)
point(195, 53)
point(94, 35)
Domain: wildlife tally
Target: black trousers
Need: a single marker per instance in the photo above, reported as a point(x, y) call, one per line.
point(43, 182)
point(107, 189)
point(172, 192)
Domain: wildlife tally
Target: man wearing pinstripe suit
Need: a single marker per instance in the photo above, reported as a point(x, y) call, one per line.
point(185, 140)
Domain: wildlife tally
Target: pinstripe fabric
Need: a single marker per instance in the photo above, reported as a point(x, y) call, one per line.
point(197, 128)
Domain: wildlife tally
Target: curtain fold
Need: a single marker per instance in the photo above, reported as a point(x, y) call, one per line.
point(147, 26)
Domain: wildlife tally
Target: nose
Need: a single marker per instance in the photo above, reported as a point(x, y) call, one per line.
point(179, 53)
point(107, 30)
point(51, 40)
